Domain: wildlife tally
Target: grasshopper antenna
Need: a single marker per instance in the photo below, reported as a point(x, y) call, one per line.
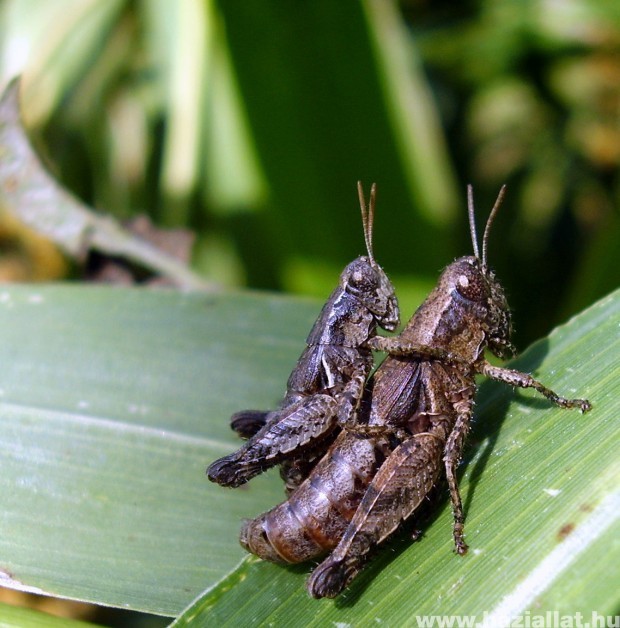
point(368, 215)
point(472, 219)
point(487, 229)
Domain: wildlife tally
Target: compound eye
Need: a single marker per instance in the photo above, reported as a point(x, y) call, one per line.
point(471, 286)
point(359, 282)
point(362, 278)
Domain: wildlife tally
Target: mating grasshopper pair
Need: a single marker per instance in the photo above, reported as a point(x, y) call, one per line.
point(358, 454)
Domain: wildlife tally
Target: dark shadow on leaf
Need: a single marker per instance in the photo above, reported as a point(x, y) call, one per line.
point(493, 399)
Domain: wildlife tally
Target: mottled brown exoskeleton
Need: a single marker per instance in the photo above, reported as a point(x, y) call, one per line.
point(326, 385)
point(411, 425)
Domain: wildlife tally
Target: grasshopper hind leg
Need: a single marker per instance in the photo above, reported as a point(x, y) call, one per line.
point(298, 427)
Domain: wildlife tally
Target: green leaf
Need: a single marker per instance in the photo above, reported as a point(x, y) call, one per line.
point(112, 403)
point(540, 488)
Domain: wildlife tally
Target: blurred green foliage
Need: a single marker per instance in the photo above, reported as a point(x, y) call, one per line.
point(249, 124)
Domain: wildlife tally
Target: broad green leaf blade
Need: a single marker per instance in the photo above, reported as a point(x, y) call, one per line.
point(112, 403)
point(540, 489)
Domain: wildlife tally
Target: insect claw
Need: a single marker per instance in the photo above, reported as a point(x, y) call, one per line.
point(416, 535)
point(460, 547)
point(584, 405)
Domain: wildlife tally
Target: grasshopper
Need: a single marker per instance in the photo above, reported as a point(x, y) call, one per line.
point(325, 387)
point(410, 427)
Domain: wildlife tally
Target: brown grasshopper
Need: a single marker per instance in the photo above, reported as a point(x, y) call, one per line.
point(412, 423)
point(326, 385)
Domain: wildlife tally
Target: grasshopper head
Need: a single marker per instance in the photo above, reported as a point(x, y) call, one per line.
point(481, 285)
point(367, 282)
point(365, 279)
point(482, 297)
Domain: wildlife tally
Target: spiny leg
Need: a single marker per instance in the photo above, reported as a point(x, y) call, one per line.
point(349, 399)
point(348, 406)
point(398, 347)
point(274, 436)
point(452, 456)
point(291, 429)
point(524, 380)
point(247, 423)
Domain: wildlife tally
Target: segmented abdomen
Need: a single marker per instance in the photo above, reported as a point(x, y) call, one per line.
point(315, 516)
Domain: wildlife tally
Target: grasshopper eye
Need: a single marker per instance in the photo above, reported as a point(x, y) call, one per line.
point(357, 278)
point(360, 278)
point(471, 286)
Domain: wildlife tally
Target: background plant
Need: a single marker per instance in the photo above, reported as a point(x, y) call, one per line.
point(248, 124)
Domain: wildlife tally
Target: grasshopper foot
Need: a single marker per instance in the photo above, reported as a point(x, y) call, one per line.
point(332, 576)
point(232, 472)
